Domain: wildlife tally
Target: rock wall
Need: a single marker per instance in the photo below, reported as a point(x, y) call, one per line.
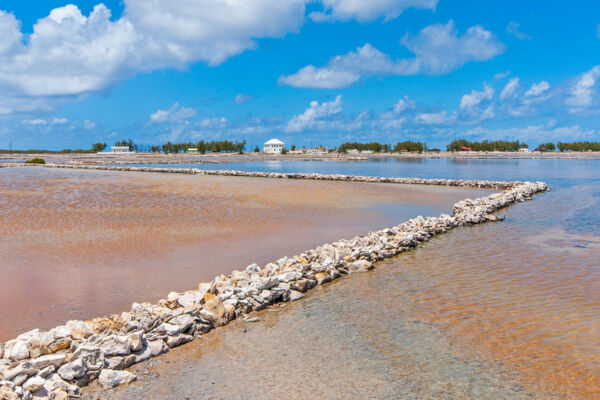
point(295, 175)
point(54, 364)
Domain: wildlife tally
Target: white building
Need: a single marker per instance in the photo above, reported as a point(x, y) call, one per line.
point(523, 150)
point(192, 150)
point(119, 149)
point(273, 146)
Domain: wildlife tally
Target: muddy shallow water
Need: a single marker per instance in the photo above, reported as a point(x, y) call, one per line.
point(80, 244)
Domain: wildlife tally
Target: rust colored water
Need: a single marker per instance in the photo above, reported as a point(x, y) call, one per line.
point(525, 293)
point(80, 244)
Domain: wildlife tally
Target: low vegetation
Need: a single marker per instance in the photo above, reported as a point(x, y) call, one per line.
point(36, 161)
point(376, 147)
point(373, 146)
point(202, 147)
point(98, 147)
point(578, 146)
point(486, 145)
point(409, 146)
point(546, 147)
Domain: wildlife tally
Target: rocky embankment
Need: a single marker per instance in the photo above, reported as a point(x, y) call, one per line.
point(482, 184)
point(56, 363)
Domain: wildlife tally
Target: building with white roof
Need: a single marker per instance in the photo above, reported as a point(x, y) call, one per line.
point(273, 146)
point(120, 149)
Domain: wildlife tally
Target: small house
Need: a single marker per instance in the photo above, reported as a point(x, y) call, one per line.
point(273, 146)
point(119, 149)
point(192, 150)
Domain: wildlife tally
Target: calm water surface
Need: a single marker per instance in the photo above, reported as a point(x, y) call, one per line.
point(78, 244)
point(506, 310)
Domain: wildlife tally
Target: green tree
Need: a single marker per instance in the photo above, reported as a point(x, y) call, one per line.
point(127, 142)
point(375, 147)
point(97, 147)
point(409, 146)
point(497, 145)
point(546, 147)
point(578, 146)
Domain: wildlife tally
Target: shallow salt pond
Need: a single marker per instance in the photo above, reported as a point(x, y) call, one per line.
point(506, 310)
point(78, 244)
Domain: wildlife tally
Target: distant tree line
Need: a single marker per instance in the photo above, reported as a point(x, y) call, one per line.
point(202, 146)
point(578, 146)
point(409, 146)
point(486, 145)
point(373, 146)
point(376, 147)
point(546, 147)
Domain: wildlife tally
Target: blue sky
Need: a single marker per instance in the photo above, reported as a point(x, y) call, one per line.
point(307, 72)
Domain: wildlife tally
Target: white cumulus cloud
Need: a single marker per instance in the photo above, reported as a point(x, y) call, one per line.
point(37, 121)
point(509, 89)
point(174, 113)
point(472, 100)
point(311, 117)
point(59, 121)
point(212, 123)
point(367, 10)
point(69, 54)
point(581, 93)
point(436, 118)
point(537, 89)
point(438, 49)
point(183, 31)
point(404, 104)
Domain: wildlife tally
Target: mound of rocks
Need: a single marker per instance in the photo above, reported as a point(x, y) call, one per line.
point(54, 364)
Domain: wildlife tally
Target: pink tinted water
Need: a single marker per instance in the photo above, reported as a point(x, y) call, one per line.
point(496, 311)
point(81, 244)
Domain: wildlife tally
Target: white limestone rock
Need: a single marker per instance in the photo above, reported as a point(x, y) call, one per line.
point(109, 378)
point(136, 340)
point(359, 266)
point(168, 329)
point(115, 345)
point(45, 361)
point(73, 370)
point(18, 351)
point(34, 383)
point(295, 295)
